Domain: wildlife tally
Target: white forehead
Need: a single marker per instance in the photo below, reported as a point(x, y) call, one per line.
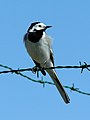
point(42, 24)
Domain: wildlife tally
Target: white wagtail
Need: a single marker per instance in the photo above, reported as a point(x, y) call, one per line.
point(38, 45)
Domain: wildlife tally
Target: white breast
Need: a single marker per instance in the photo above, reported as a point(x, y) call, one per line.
point(39, 51)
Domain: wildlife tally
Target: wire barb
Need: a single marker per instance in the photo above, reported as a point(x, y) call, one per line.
point(18, 72)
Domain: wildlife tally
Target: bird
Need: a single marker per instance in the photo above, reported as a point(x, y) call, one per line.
point(39, 47)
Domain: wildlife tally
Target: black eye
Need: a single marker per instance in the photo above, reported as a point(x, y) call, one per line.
point(40, 26)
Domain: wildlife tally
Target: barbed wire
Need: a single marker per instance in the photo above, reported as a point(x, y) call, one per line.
point(43, 82)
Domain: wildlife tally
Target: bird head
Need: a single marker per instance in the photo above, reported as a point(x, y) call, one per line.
point(37, 26)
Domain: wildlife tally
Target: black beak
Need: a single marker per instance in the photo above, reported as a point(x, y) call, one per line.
point(47, 27)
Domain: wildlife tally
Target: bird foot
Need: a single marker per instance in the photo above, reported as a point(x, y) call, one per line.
point(35, 69)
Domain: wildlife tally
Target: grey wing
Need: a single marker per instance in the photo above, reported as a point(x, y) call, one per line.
point(51, 56)
point(49, 41)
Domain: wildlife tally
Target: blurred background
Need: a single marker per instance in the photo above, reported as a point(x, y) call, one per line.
point(21, 99)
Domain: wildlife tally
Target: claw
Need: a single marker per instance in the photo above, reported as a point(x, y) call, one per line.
point(43, 71)
point(34, 69)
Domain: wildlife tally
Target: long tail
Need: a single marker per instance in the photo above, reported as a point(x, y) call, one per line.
point(59, 86)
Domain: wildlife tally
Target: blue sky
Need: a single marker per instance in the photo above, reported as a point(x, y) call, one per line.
point(21, 99)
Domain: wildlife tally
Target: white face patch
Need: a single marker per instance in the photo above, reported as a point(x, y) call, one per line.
point(39, 26)
point(43, 36)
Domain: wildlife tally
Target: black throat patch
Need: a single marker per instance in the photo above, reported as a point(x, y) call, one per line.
point(35, 36)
